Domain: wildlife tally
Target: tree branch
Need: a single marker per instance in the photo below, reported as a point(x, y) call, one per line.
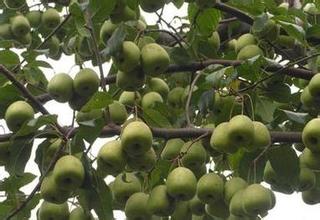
point(234, 12)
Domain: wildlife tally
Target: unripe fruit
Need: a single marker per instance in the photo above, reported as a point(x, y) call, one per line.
point(124, 186)
point(130, 98)
point(160, 203)
point(196, 206)
point(150, 99)
point(51, 18)
point(130, 81)
point(172, 149)
point(307, 179)
point(159, 85)
point(128, 58)
point(79, 214)
point(249, 52)
point(60, 87)
point(5, 31)
point(311, 197)
point(151, 6)
point(51, 211)
point(245, 40)
point(314, 86)
point(261, 137)
point(194, 155)
point(34, 18)
point(220, 140)
point(136, 207)
point(106, 31)
point(210, 188)
point(20, 26)
point(232, 186)
point(181, 184)
point(182, 211)
point(307, 99)
point(18, 113)
point(144, 162)
point(86, 82)
point(117, 112)
point(218, 209)
point(175, 97)
point(155, 59)
point(311, 135)
point(241, 131)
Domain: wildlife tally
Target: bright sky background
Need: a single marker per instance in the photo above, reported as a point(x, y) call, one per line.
point(287, 206)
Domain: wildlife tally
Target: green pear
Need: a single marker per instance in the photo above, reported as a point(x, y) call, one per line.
point(256, 199)
point(155, 59)
point(150, 99)
point(128, 58)
point(68, 173)
point(152, 6)
point(106, 31)
point(130, 98)
point(17, 114)
point(210, 46)
point(124, 186)
point(174, 97)
point(262, 137)
point(311, 197)
point(4, 152)
point(5, 32)
point(130, 81)
point(181, 184)
point(136, 138)
point(232, 186)
point(245, 40)
point(53, 45)
point(51, 211)
point(249, 52)
point(310, 135)
point(14, 4)
point(241, 131)
point(172, 149)
point(307, 99)
point(50, 192)
point(196, 206)
point(89, 116)
point(34, 18)
point(60, 87)
point(159, 85)
point(20, 26)
point(86, 82)
point(236, 204)
point(232, 45)
point(52, 149)
point(50, 18)
point(117, 112)
point(210, 188)
point(218, 209)
point(111, 159)
point(182, 211)
point(220, 140)
point(307, 179)
point(160, 203)
point(144, 162)
point(143, 41)
point(314, 85)
point(136, 207)
point(194, 154)
point(270, 31)
point(206, 141)
point(77, 101)
point(84, 48)
point(310, 159)
point(79, 214)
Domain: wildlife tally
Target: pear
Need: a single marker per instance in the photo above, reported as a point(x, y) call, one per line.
point(34, 18)
point(68, 173)
point(218, 209)
point(256, 199)
point(144, 162)
point(307, 179)
point(17, 114)
point(314, 85)
point(196, 206)
point(152, 6)
point(106, 31)
point(50, 18)
point(79, 214)
point(232, 45)
point(143, 41)
point(128, 58)
point(130, 81)
point(86, 82)
point(241, 131)
point(117, 112)
point(50, 192)
point(150, 99)
point(130, 98)
point(194, 154)
point(210, 46)
point(136, 138)
point(307, 99)
point(310, 135)
point(210, 188)
point(181, 184)
point(311, 197)
point(160, 203)
point(4, 152)
point(60, 87)
point(182, 211)
point(232, 186)
point(172, 149)
point(245, 40)
point(84, 48)
point(51, 211)
point(220, 140)
point(155, 59)
point(14, 4)
point(53, 45)
point(89, 116)
point(20, 26)
point(5, 32)
point(249, 52)
point(111, 159)
point(124, 186)
point(236, 204)
point(310, 159)
point(159, 85)
point(136, 207)
point(175, 97)
point(262, 137)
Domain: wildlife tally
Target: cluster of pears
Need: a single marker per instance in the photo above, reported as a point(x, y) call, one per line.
point(132, 152)
point(310, 96)
point(77, 91)
point(240, 132)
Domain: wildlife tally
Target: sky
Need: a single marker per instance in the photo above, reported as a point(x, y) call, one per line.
point(287, 206)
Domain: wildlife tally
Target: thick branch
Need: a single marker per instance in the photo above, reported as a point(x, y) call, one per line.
point(234, 12)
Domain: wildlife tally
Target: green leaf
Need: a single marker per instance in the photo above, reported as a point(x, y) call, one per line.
point(9, 58)
point(101, 9)
point(155, 118)
point(279, 92)
point(115, 42)
point(298, 117)
point(8, 95)
point(179, 55)
point(160, 171)
point(264, 108)
point(91, 130)
point(178, 3)
point(98, 100)
point(294, 30)
point(78, 18)
point(13, 183)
